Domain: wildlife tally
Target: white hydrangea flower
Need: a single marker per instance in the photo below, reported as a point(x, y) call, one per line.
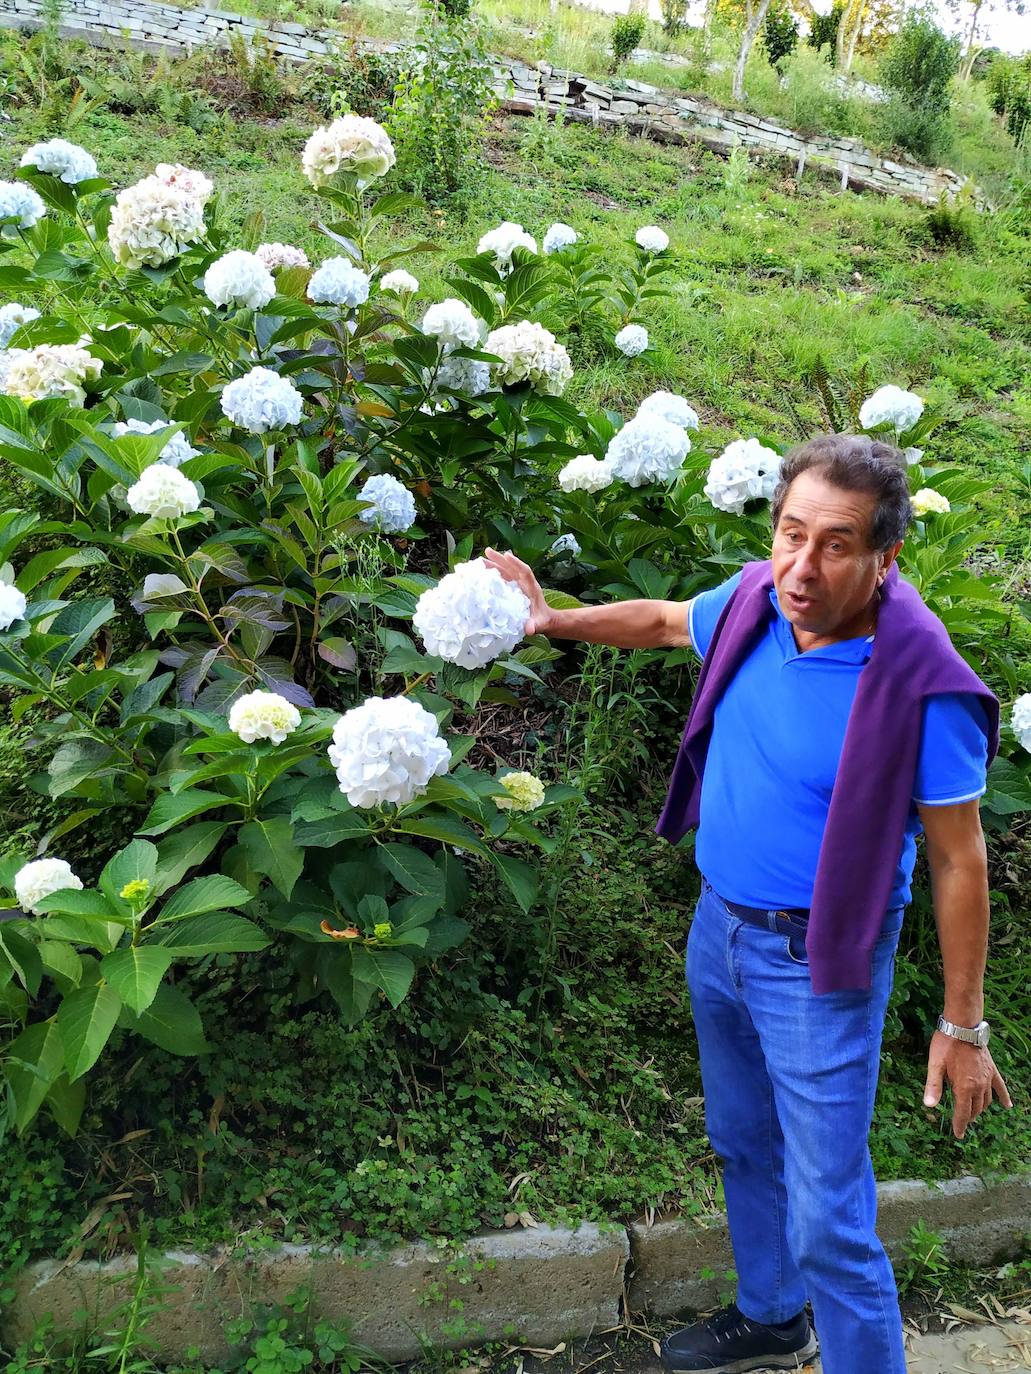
point(892, 406)
point(671, 407)
point(273, 256)
point(913, 456)
point(468, 376)
point(62, 159)
point(525, 792)
point(12, 317)
point(387, 750)
point(263, 715)
point(239, 278)
point(399, 281)
point(1020, 720)
point(566, 543)
point(186, 179)
point(41, 879)
point(586, 473)
point(927, 501)
point(37, 374)
point(339, 282)
point(503, 241)
point(559, 236)
point(652, 239)
point(350, 147)
point(262, 400)
point(153, 221)
point(648, 449)
point(174, 453)
point(393, 505)
point(471, 616)
point(12, 605)
point(163, 493)
point(452, 324)
point(745, 471)
point(19, 201)
point(632, 339)
point(530, 353)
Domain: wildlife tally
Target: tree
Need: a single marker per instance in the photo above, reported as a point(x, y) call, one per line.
point(755, 13)
point(972, 9)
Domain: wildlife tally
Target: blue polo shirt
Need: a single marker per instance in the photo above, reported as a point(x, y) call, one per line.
point(776, 743)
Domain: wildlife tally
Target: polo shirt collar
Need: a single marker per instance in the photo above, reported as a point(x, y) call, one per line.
point(844, 651)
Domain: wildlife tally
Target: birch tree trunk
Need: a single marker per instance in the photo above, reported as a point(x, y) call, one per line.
point(857, 29)
point(754, 16)
point(967, 65)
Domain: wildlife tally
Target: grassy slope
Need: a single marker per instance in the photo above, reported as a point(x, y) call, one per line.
point(766, 284)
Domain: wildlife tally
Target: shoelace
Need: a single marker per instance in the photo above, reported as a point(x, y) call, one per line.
point(727, 1323)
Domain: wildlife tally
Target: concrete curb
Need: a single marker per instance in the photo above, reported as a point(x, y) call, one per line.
point(538, 1286)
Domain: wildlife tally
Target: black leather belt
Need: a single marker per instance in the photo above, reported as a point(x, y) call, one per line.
point(788, 921)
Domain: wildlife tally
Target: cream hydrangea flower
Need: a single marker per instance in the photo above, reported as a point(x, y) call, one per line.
point(652, 239)
point(631, 340)
point(913, 456)
point(239, 278)
point(393, 505)
point(927, 501)
point(586, 473)
point(648, 449)
point(452, 324)
point(1020, 720)
point(262, 400)
point(12, 605)
point(12, 317)
point(263, 715)
point(525, 792)
point(41, 879)
point(472, 616)
point(163, 493)
point(387, 750)
point(273, 256)
point(174, 453)
point(351, 146)
point(745, 471)
point(339, 282)
point(671, 407)
point(48, 370)
point(559, 236)
point(566, 543)
point(186, 179)
point(400, 282)
point(468, 376)
point(18, 201)
point(530, 353)
point(890, 405)
point(67, 161)
point(153, 221)
point(503, 241)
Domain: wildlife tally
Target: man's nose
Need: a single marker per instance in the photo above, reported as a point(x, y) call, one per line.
point(806, 562)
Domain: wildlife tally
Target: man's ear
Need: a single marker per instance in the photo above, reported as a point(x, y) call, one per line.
point(888, 557)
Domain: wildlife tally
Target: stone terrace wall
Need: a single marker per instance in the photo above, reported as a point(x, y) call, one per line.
point(640, 108)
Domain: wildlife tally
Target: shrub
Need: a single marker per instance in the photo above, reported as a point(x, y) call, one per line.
point(780, 34)
point(951, 225)
point(627, 32)
point(917, 70)
point(1009, 92)
point(674, 17)
point(823, 30)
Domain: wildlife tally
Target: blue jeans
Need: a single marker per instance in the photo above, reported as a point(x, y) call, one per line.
point(789, 1081)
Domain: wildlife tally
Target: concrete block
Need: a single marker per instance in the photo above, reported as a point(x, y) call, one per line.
point(980, 1223)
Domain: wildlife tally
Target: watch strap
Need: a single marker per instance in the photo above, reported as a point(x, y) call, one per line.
point(971, 1035)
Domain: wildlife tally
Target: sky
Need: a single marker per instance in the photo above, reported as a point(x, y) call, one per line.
point(996, 27)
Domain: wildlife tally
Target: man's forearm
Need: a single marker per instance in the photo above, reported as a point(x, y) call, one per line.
point(961, 910)
point(644, 624)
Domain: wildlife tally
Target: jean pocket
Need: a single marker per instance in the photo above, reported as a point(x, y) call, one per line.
point(794, 946)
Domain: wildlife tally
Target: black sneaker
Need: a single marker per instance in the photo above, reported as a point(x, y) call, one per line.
point(730, 1343)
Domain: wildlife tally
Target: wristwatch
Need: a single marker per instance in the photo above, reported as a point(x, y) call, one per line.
point(976, 1035)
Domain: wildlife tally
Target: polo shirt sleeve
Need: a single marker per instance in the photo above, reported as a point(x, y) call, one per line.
point(703, 611)
point(952, 765)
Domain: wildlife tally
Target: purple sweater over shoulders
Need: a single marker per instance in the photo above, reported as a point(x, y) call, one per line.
point(912, 658)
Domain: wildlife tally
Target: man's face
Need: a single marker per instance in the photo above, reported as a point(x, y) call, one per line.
point(823, 568)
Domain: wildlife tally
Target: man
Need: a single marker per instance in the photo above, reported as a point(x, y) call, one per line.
point(832, 721)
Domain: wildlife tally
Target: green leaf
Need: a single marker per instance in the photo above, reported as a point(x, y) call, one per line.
point(203, 894)
point(180, 852)
point(388, 969)
point(60, 959)
point(23, 957)
point(216, 932)
point(137, 862)
point(136, 974)
point(272, 850)
point(35, 1060)
point(85, 902)
point(331, 830)
point(446, 829)
point(172, 1022)
point(414, 870)
point(519, 877)
point(65, 1102)
point(169, 810)
point(80, 622)
point(86, 1019)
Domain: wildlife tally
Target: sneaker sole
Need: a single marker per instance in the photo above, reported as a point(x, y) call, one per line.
point(795, 1360)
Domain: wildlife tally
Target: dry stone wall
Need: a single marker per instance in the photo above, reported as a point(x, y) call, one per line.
point(640, 108)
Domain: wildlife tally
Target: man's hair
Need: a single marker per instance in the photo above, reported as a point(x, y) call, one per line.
point(855, 462)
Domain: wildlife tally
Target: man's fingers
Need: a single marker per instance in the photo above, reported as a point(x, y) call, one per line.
point(935, 1083)
point(1000, 1090)
point(962, 1111)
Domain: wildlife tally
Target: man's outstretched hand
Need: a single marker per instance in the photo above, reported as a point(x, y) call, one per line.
point(972, 1075)
point(512, 569)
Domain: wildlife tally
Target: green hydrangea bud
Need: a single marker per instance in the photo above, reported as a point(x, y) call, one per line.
point(382, 929)
point(136, 891)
